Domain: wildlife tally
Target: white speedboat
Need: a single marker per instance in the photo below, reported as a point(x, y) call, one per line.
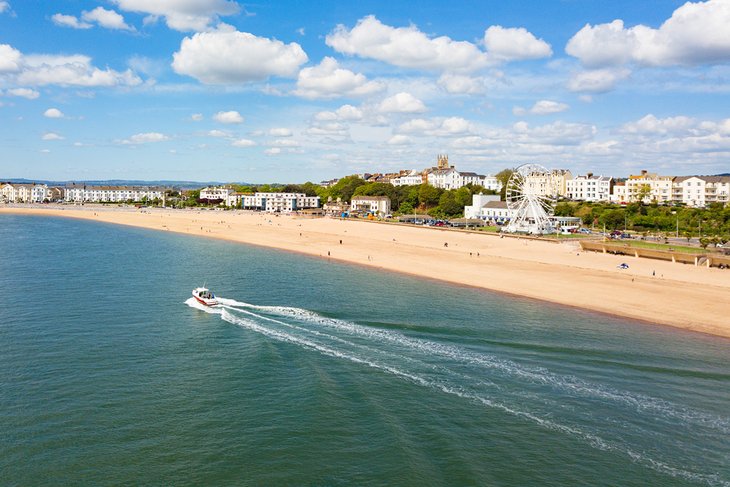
point(204, 296)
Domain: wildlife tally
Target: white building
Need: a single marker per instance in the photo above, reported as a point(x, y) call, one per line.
point(411, 178)
point(652, 186)
point(479, 202)
point(379, 205)
point(589, 188)
point(215, 193)
point(279, 202)
point(491, 182)
point(698, 191)
point(554, 183)
point(23, 193)
point(80, 193)
point(445, 178)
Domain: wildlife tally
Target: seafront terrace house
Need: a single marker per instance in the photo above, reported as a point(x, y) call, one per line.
point(408, 178)
point(80, 193)
point(554, 183)
point(218, 194)
point(589, 188)
point(377, 205)
point(279, 202)
point(23, 193)
point(698, 191)
point(649, 187)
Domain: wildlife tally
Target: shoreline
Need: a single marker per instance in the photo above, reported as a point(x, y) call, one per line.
point(655, 292)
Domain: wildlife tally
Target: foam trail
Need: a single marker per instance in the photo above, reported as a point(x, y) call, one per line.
point(346, 349)
point(568, 384)
point(594, 440)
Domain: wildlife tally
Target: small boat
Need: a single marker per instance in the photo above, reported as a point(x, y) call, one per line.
point(204, 296)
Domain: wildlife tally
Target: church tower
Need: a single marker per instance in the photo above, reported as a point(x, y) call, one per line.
point(443, 161)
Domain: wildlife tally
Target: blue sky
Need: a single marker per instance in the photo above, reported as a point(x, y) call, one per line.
point(291, 91)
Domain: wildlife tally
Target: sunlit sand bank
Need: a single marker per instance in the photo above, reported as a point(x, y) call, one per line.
point(684, 296)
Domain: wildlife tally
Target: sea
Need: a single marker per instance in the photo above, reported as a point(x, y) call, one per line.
point(314, 372)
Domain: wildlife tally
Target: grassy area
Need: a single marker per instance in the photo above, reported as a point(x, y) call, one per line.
point(661, 246)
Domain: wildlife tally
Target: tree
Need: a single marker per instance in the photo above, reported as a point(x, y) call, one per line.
point(643, 192)
point(503, 177)
point(462, 196)
point(428, 195)
point(448, 204)
point(346, 187)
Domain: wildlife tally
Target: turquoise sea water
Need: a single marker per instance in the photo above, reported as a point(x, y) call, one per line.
point(318, 373)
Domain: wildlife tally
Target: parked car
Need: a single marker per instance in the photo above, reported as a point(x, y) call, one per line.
point(623, 265)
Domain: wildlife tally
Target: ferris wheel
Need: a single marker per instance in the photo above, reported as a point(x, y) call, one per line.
point(531, 196)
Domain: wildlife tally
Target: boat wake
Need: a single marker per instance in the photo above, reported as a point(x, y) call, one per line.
point(607, 418)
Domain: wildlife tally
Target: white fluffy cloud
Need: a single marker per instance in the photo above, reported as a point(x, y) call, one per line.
point(69, 21)
point(651, 125)
point(23, 93)
point(436, 127)
point(196, 117)
point(402, 103)
point(10, 59)
point(461, 84)
point(108, 19)
point(182, 15)
point(696, 33)
point(406, 47)
point(346, 113)
point(597, 80)
point(328, 80)
point(273, 151)
point(228, 117)
point(542, 107)
point(4, 7)
point(409, 47)
point(399, 140)
point(72, 70)
point(218, 133)
point(146, 138)
point(230, 57)
point(280, 132)
point(511, 44)
point(53, 113)
point(243, 143)
point(51, 136)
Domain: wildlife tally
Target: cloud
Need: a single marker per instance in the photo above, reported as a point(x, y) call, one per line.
point(542, 107)
point(196, 117)
point(10, 59)
point(70, 70)
point(461, 84)
point(285, 143)
point(346, 113)
point(231, 57)
point(182, 15)
point(328, 80)
point(243, 143)
point(228, 117)
point(696, 33)
point(274, 151)
point(51, 136)
point(402, 103)
point(651, 125)
point(513, 44)
point(69, 21)
point(23, 93)
point(406, 47)
point(280, 132)
point(4, 7)
point(436, 127)
point(218, 133)
point(146, 138)
point(53, 113)
point(106, 18)
point(399, 140)
point(597, 80)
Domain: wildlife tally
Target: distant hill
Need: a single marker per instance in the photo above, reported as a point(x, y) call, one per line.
point(126, 182)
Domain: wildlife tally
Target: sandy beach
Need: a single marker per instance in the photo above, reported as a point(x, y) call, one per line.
point(683, 296)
